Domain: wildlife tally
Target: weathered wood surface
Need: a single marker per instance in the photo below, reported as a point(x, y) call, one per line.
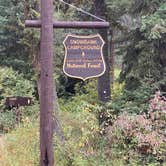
point(69, 24)
point(104, 92)
point(16, 101)
point(47, 94)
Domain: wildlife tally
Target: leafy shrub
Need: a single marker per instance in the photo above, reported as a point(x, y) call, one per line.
point(83, 145)
point(158, 103)
point(13, 83)
point(87, 91)
point(142, 135)
point(9, 119)
point(85, 96)
point(80, 129)
point(135, 102)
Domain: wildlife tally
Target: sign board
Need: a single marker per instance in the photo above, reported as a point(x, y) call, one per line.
point(83, 56)
point(17, 101)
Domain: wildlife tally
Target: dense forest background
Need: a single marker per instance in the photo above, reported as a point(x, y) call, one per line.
point(130, 128)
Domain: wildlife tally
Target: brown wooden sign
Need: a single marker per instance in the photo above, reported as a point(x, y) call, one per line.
point(83, 56)
point(17, 101)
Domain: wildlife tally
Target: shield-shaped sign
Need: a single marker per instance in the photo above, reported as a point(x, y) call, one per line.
point(83, 56)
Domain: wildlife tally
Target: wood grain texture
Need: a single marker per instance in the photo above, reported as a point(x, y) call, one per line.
point(104, 92)
point(70, 24)
point(47, 95)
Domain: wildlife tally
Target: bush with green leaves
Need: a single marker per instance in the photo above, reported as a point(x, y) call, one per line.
point(140, 137)
point(129, 139)
point(13, 83)
point(83, 146)
point(145, 58)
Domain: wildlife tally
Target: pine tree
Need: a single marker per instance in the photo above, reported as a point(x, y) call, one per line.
point(15, 46)
point(145, 60)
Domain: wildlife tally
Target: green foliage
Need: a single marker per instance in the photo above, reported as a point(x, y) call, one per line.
point(135, 101)
point(95, 133)
point(116, 9)
point(134, 124)
point(120, 7)
point(16, 43)
point(21, 147)
point(144, 61)
point(81, 142)
point(11, 119)
point(154, 25)
point(145, 7)
point(11, 14)
point(14, 84)
point(138, 135)
point(80, 131)
point(85, 93)
point(7, 121)
point(129, 140)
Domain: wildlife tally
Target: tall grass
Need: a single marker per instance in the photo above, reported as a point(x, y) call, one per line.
point(20, 147)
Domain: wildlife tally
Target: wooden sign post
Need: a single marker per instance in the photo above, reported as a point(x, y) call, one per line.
point(46, 76)
point(46, 56)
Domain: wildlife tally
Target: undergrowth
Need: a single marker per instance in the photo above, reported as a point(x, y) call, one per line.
point(96, 134)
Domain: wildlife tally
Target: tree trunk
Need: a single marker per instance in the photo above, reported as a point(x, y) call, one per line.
point(47, 87)
point(112, 57)
point(103, 81)
point(162, 54)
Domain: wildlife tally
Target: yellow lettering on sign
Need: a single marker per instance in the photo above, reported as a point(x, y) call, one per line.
point(83, 47)
point(94, 65)
point(84, 65)
point(83, 41)
point(69, 65)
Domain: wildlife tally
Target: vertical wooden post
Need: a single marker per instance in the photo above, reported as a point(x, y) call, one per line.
point(104, 84)
point(47, 89)
point(103, 81)
point(112, 57)
point(47, 94)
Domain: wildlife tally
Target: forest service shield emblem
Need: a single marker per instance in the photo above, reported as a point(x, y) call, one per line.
point(83, 56)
